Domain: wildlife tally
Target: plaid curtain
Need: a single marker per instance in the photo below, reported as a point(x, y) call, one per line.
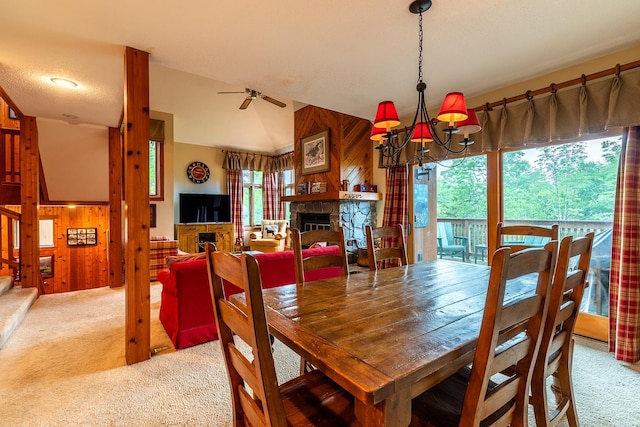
point(624, 283)
point(269, 195)
point(234, 183)
point(281, 193)
point(395, 204)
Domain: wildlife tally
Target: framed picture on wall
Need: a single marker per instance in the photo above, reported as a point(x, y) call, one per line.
point(82, 236)
point(152, 215)
point(315, 153)
point(46, 266)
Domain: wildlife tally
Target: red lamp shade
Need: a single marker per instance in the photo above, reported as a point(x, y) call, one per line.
point(470, 125)
point(386, 116)
point(421, 133)
point(377, 134)
point(454, 108)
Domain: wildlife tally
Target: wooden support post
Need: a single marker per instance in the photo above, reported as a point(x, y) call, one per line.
point(115, 250)
point(494, 199)
point(136, 210)
point(30, 196)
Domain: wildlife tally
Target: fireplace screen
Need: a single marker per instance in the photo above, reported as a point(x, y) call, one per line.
point(204, 238)
point(311, 221)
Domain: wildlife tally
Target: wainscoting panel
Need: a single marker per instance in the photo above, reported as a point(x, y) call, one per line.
point(81, 266)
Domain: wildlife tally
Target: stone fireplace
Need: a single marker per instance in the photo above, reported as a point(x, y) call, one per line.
point(351, 215)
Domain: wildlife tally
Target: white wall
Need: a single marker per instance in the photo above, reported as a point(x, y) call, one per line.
point(183, 155)
point(75, 160)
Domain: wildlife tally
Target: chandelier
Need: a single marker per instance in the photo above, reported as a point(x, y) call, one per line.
point(423, 130)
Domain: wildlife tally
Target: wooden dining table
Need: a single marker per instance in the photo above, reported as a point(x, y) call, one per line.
point(386, 336)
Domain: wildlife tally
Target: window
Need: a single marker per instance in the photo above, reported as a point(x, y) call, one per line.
point(156, 170)
point(569, 182)
point(573, 185)
point(289, 190)
point(45, 230)
point(252, 198)
point(462, 201)
point(462, 188)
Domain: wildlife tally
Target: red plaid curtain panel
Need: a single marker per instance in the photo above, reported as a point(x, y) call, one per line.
point(269, 196)
point(395, 201)
point(624, 283)
point(234, 183)
point(282, 209)
point(395, 204)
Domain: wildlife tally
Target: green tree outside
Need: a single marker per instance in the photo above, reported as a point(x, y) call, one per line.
point(561, 183)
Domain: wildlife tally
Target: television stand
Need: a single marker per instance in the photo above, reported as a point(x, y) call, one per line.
point(191, 237)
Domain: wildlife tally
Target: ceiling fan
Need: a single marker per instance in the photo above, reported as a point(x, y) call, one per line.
point(253, 94)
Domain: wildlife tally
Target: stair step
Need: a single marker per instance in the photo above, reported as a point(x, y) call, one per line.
point(14, 305)
point(6, 282)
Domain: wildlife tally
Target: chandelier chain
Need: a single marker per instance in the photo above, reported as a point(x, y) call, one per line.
point(423, 129)
point(420, 48)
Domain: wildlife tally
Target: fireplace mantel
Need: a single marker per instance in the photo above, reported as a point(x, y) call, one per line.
point(335, 195)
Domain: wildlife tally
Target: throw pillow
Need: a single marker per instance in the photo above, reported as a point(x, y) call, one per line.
point(188, 257)
point(317, 245)
point(270, 230)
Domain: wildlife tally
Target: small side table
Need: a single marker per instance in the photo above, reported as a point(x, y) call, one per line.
point(483, 253)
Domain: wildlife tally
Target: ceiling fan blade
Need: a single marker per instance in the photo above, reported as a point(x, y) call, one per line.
point(222, 93)
point(246, 103)
point(274, 101)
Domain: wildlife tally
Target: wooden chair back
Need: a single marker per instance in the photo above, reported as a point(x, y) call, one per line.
point(392, 246)
point(529, 236)
point(262, 405)
point(301, 265)
point(509, 339)
point(556, 351)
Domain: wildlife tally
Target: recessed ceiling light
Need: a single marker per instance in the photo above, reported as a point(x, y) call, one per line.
point(63, 82)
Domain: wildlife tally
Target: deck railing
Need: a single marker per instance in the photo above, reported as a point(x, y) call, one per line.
point(476, 229)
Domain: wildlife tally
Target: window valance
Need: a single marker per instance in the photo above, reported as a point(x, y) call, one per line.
point(238, 160)
point(590, 108)
point(156, 130)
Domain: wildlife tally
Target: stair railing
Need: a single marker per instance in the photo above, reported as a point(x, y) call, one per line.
point(9, 219)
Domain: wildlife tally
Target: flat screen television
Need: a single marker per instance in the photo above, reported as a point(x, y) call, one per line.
point(204, 208)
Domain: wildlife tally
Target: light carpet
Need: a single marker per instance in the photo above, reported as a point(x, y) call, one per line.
point(65, 366)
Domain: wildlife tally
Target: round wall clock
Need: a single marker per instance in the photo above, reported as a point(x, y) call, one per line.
point(198, 172)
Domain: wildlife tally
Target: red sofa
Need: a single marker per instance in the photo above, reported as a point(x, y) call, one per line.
point(185, 309)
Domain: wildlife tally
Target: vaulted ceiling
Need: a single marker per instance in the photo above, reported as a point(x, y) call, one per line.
point(341, 55)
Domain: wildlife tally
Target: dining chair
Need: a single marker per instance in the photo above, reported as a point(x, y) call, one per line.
point(556, 351)
point(528, 236)
point(307, 238)
point(310, 399)
point(302, 265)
point(509, 340)
point(380, 246)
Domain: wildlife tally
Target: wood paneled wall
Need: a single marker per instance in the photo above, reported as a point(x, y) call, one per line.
point(5, 120)
point(350, 148)
point(76, 267)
